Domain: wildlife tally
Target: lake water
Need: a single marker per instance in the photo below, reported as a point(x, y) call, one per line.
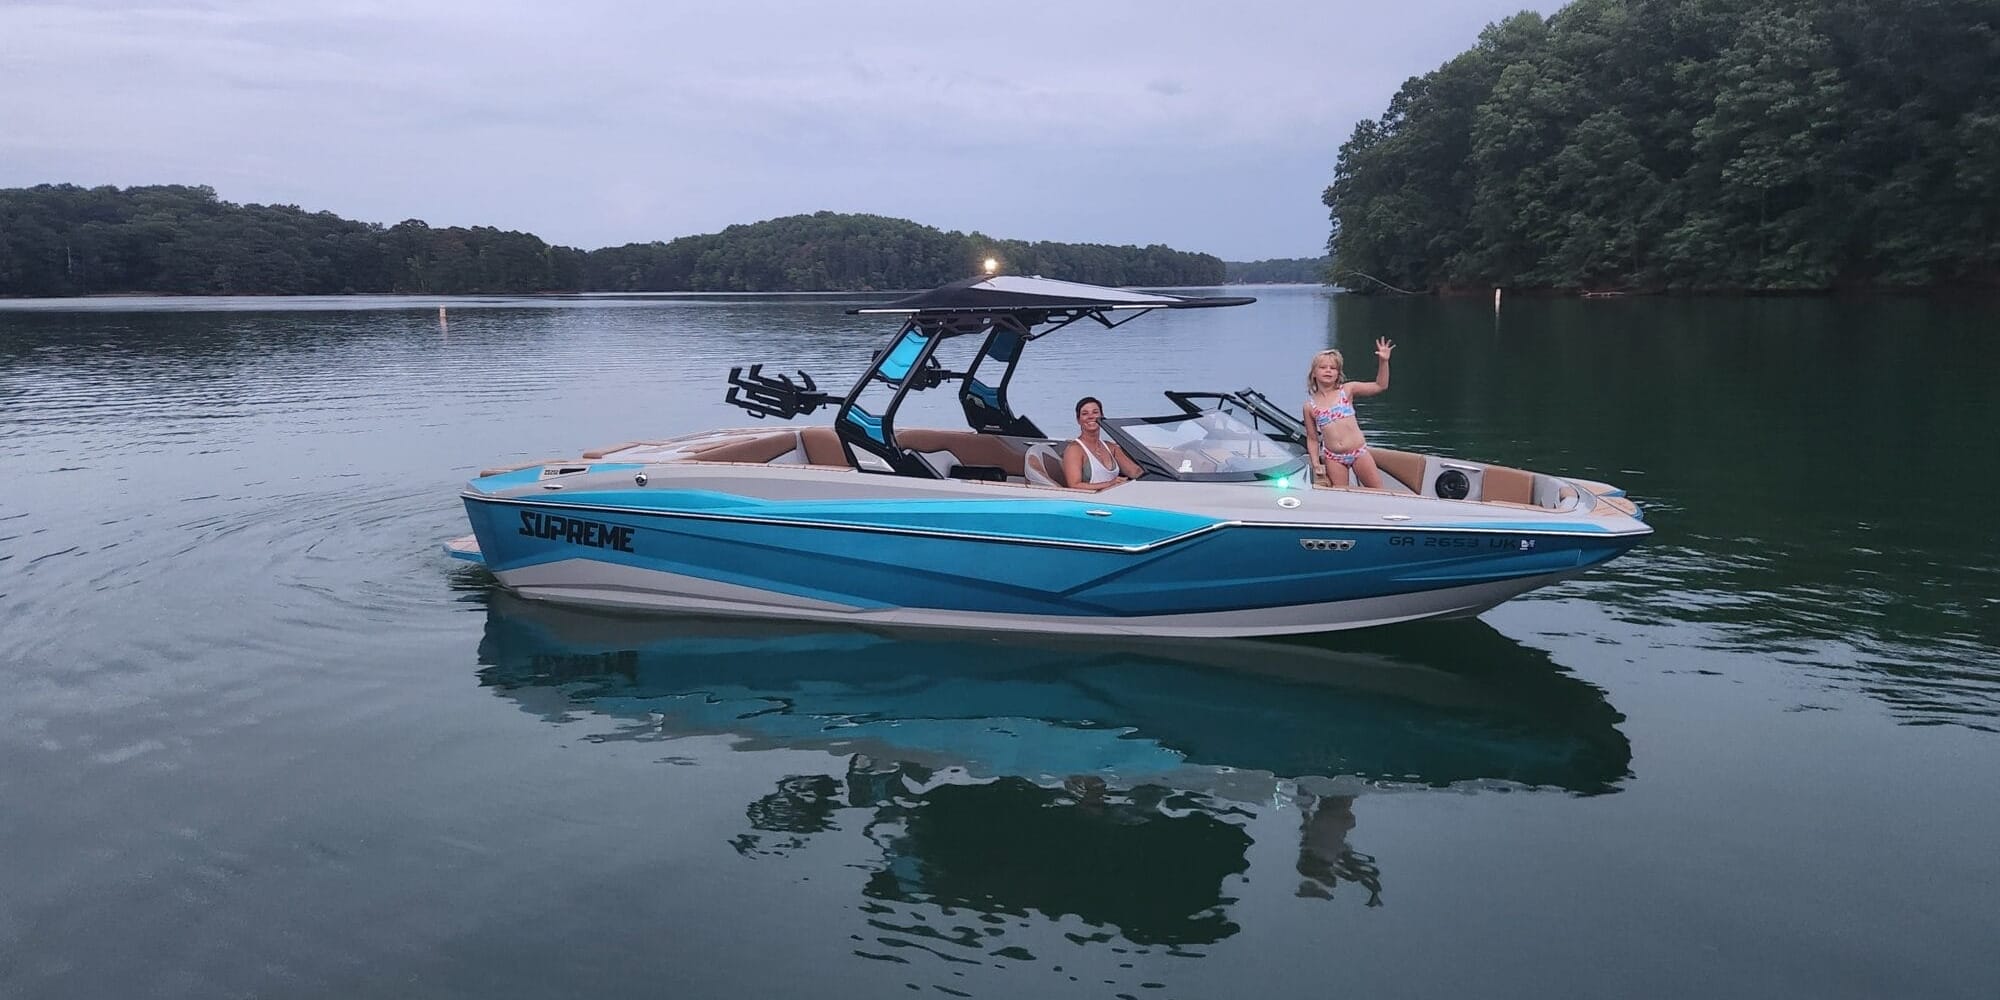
point(260, 737)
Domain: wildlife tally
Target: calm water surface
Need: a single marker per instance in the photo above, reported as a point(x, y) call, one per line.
point(259, 737)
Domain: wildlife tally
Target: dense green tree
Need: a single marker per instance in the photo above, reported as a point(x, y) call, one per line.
point(1688, 144)
point(1277, 270)
point(829, 251)
point(69, 240)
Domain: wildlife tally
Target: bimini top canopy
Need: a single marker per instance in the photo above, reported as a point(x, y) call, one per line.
point(1008, 293)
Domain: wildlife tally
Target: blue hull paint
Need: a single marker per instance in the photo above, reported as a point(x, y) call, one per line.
point(1053, 520)
point(1231, 568)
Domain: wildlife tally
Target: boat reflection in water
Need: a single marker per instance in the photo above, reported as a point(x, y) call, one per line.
point(1110, 782)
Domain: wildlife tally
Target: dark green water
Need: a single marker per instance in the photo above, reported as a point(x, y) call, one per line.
point(259, 737)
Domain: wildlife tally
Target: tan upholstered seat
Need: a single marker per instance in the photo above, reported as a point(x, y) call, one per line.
point(762, 448)
point(1402, 466)
point(967, 447)
point(1507, 485)
point(822, 447)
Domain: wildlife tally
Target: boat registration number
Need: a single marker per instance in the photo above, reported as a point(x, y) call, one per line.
point(1463, 542)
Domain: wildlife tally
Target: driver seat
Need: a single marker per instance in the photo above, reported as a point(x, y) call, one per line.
point(1042, 465)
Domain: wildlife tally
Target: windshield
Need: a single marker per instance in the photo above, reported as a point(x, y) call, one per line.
point(1248, 405)
point(1214, 446)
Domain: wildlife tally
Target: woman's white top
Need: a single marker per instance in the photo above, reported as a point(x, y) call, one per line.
point(1094, 473)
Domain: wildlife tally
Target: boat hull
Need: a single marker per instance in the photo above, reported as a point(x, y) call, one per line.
point(1040, 563)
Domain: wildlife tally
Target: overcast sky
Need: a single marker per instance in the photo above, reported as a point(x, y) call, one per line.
point(593, 123)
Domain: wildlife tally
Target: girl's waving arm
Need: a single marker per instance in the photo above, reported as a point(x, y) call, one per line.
point(1383, 346)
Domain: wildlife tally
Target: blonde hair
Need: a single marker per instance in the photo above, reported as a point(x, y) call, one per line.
point(1338, 362)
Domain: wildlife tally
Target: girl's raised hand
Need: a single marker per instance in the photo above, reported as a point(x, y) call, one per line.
point(1383, 346)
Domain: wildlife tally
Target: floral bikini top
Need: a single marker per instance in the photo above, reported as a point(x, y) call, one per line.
point(1342, 407)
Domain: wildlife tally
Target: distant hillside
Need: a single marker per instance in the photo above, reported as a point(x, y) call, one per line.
point(58, 240)
point(1278, 271)
point(828, 251)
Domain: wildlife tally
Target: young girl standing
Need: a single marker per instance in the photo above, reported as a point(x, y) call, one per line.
point(1333, 438)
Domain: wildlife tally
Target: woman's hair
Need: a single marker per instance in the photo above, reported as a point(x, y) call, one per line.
point(1314, 363)
point(1086, 401)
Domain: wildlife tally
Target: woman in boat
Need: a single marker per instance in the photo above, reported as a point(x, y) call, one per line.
point(1333, 438)
point(1093, 462)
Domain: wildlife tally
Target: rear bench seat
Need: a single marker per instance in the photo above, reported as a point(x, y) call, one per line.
point(760, 449)
point(804, 446)
point(967, 447)
point(821, 446)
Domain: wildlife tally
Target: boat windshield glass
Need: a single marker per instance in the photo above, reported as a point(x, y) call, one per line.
point(1211, 447)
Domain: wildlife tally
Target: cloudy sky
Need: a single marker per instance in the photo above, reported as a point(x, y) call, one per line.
point(598, 122)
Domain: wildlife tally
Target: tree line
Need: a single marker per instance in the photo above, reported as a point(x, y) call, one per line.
point(1765, 145)
point(1277, 271)
point(61, 239)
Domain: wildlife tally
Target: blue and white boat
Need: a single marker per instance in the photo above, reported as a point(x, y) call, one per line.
point(864, 520)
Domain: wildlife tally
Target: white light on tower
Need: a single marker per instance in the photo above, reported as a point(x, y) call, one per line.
point(992, 265)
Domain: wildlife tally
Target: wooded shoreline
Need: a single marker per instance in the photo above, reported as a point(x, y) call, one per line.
point(64, 240)
point(1689, 146)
